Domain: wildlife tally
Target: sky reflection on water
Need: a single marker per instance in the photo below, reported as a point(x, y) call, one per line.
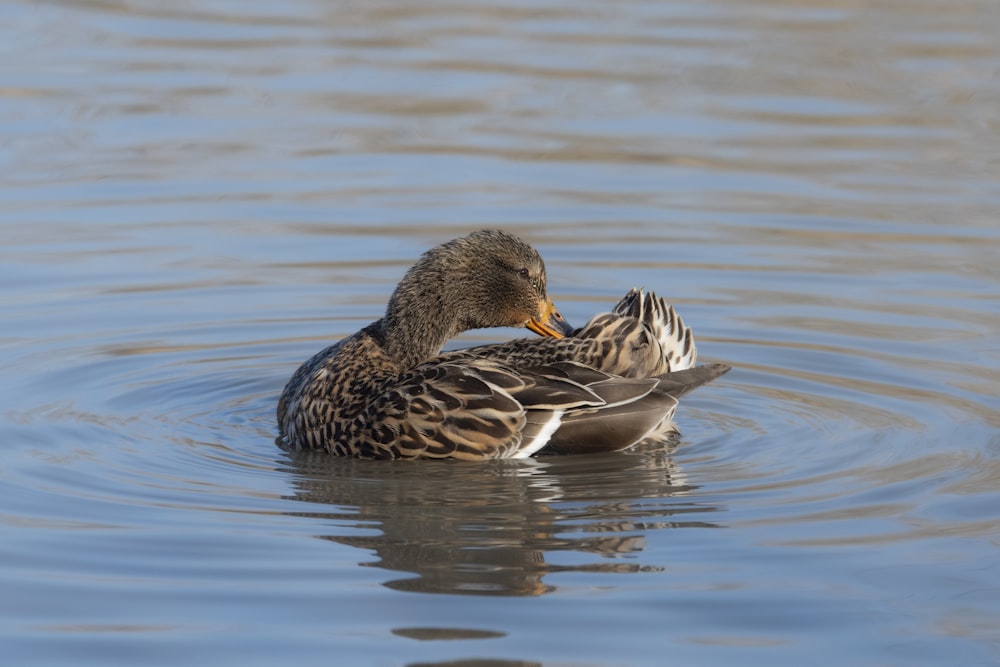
point(198, 197)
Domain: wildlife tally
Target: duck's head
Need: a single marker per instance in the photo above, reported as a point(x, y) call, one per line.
point(489, 278)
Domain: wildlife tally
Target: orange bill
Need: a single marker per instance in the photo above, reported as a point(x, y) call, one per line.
point(549, 322)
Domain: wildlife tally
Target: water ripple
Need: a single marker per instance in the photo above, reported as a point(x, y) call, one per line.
point(198, 197)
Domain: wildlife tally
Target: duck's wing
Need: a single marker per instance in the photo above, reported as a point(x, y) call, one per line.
point(632, 409)
point(627, 417)
point(612, 429)
point(473, 410)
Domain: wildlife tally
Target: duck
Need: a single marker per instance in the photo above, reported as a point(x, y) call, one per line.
point(389, 392)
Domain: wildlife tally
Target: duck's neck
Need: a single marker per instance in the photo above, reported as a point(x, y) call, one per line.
point(417, 324)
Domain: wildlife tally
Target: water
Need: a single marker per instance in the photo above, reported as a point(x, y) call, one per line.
point(198, 196)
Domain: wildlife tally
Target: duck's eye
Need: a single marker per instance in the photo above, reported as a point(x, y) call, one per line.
point(526, 274)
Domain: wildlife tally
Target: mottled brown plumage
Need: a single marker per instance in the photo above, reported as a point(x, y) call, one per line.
point(388, 392)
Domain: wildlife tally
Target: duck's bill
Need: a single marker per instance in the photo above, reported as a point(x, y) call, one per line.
point(550, 323)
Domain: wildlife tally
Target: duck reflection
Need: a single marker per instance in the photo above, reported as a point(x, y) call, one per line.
point(499, 527)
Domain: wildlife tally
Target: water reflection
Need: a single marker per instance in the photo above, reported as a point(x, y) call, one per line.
point(477, 662)
point(197, 194)
point(496, 528)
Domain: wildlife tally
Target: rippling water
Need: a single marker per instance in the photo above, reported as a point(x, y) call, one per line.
point(198, 196)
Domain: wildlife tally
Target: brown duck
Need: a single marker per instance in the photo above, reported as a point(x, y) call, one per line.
point(388, 392)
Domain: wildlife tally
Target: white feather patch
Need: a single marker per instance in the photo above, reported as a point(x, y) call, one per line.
point(542, 439)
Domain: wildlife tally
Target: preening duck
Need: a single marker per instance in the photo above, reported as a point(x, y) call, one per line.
point(388, 392)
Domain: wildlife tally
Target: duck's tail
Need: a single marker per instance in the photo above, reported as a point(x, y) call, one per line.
point(678, 383)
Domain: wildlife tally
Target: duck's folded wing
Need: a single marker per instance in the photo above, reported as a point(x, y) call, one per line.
point(633, 409)
point(471, 411)
point(630, 409)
